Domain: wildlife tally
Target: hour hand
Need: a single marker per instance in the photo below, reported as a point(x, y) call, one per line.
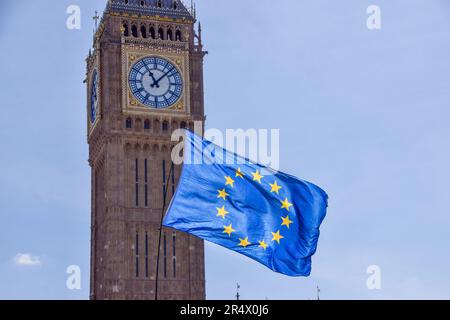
point(155, 83)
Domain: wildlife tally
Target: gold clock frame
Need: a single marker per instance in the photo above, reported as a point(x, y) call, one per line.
point(179, 59)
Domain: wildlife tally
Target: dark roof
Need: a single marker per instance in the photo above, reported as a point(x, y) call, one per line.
point(169, 8)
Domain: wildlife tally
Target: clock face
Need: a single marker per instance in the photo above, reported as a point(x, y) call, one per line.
point(155, 82)
point(94, 96)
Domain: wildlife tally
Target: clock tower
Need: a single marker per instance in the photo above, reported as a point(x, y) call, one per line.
point(144, 80)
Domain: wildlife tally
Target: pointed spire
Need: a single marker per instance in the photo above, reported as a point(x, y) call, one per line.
point(199, 32)
point(96, 17)
point(195, 12)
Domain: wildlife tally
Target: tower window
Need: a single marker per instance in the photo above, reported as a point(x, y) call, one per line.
point(137, 254)
point(144, 32)
point(147, 125)
point(159, 4)
point(128, 123)
point(178, 35)
point(152, 32)
point(175, 4)
point(169, 35)
point(137, 182)
point(164, 178)
point(161, 33)
point(165, 256)
point(146, 255)
point(174, 254)
point(165, 126)
point(183, 125)
point(173, 179)
point(142, 3)
point(146, 182)
point(134, 31)
point(126, 30)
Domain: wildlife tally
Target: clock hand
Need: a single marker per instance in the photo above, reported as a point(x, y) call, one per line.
point(155, 83)
point(164, 75)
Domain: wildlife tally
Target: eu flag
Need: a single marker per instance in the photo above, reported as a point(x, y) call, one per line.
point(269, 216)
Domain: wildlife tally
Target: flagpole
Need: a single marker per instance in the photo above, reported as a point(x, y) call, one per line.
point(160, 229)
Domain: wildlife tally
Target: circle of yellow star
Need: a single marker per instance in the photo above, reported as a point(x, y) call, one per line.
point(286, 204)
point(277, 236)
point(221, 212)
point(257, 176)
point(286, 222)
point(228, 230)
point(229, 182)
point(244, 242)
point(263, 245)
point(239, 173)
point(275, 188)
point(222, 194)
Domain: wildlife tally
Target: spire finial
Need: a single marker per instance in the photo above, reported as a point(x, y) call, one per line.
point(199, 33)
point(318, 293)
point(96, 17)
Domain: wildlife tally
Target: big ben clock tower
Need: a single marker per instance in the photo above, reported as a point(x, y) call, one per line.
point(144, 80)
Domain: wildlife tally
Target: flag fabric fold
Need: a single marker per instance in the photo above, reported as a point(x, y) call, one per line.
point(266, 215)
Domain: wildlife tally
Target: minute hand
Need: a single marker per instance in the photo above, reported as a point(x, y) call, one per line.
point(163, 76)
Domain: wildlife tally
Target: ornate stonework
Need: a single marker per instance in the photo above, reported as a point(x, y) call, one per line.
point(129, 153)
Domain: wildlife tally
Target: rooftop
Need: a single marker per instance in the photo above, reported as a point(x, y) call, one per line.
point(165, 8)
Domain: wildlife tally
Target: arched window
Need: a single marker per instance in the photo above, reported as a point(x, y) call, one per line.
point(159, 4)
point(147, 125)
point(142, 3)
point(169, 35)
point(134, 31)
point(183, 125)
point(161, 34)
point(165, 126)
point(175, 4)
point(144, 32)
point(152, 33)
point(129, 123)
point(178, 35)
point(126, 30)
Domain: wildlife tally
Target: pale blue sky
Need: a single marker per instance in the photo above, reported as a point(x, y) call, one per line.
point(364, 114)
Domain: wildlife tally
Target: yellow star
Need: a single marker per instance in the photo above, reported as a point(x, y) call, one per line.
point(263, 245)
point(222, 212)
point(230, 182)
point(239, 173)
point(286, 204)
point(222, 194)
point(228, 230)
point(277, 236)
point(286, 222)
point(244, 242)
point(257, 176)
point(275, 188)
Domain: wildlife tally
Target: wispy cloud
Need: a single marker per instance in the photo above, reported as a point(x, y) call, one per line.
point(26, 259)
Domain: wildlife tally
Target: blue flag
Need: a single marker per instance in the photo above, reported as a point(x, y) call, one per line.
point(269, 216)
